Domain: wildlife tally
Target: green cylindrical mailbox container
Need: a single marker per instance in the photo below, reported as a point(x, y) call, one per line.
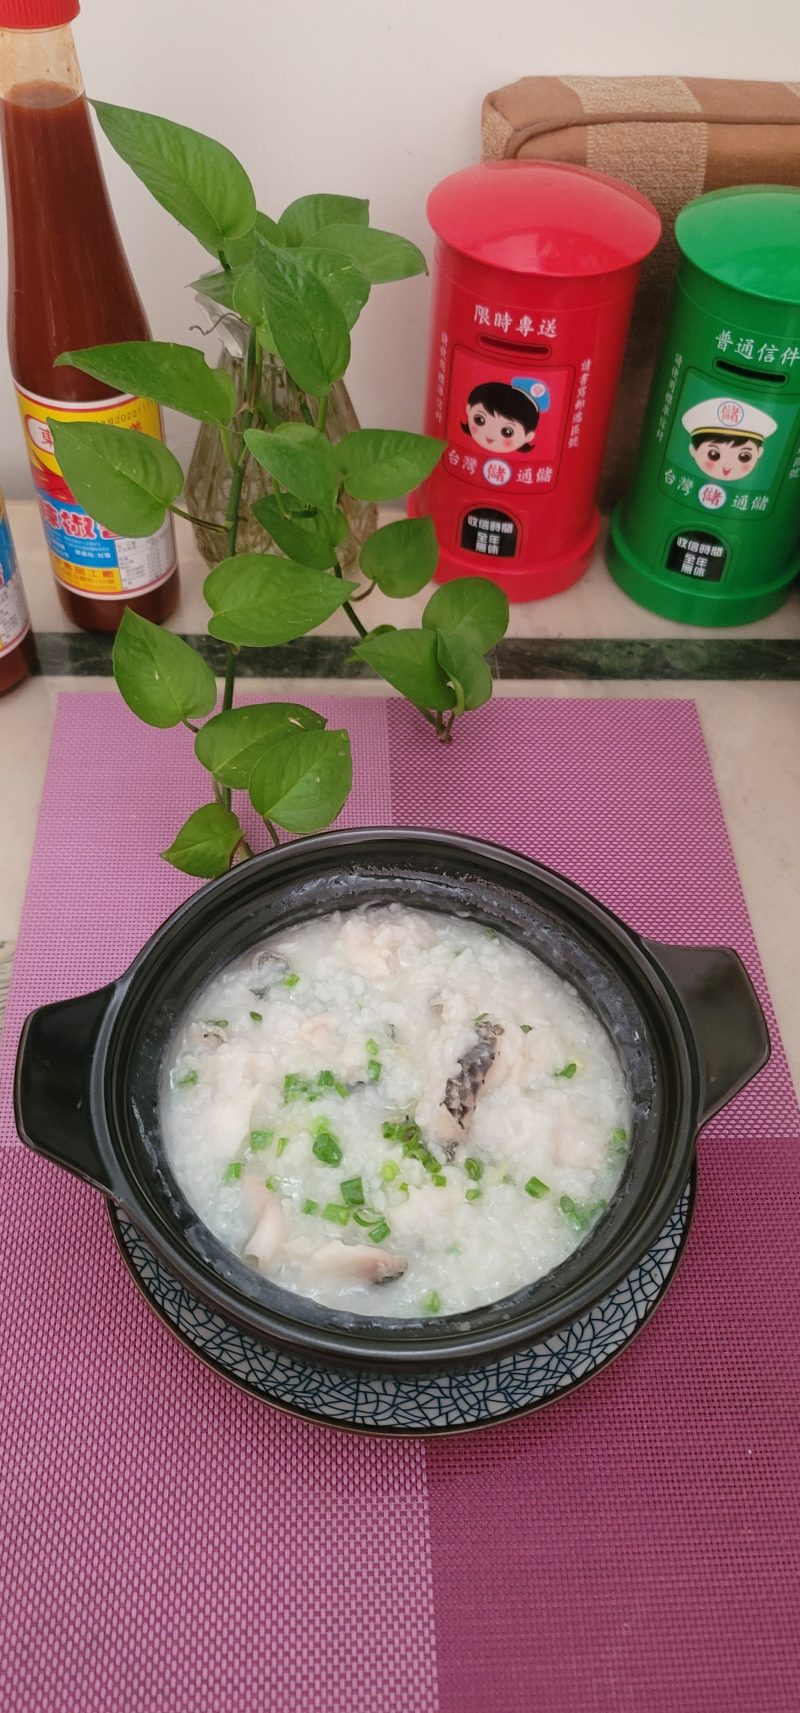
point(709, 532)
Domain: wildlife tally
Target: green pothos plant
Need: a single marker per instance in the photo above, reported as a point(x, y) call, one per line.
point(298, 284)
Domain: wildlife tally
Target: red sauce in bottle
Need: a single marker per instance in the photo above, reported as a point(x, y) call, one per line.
point(70, 286)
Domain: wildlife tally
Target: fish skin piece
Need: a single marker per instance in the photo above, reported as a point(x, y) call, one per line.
point(461, 1093)
point(358, 1263)
point(268, 968)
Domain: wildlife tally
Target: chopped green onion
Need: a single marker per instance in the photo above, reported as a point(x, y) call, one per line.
point(389, 1170)
point(379, 1231)
point(416, 1151)
point(327, 1079)
point(481, 1017)
point(619, 1144)
point(473, 1169)
point(367, 1216)
point(290, 980)
point(310, 1206)
point(352, 1192)
point(260, 1139)
point(536, 1188)
point(283, 1143)
point(186, 1079)
point(257, 1016)
point(474, 1194)
point(372, 1048)
point(413, 1148)
point(374, 1069)
point(580, 1217)
point(453, 1249)
point(438, 1179)
point(432, 1303)
point(232, 1172)
point(216, 1023)
point(295, 1086)
point(568, 1070)
point(404, 1189)
point(327, 1149)
point(272, 1183)
point(491, 934)
point(336, 1213)
point(526, 1028)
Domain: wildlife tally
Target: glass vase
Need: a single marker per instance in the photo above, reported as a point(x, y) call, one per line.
point(209, 479)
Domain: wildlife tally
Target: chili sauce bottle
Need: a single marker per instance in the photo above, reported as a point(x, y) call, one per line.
point(17, 647)
point(70, 286)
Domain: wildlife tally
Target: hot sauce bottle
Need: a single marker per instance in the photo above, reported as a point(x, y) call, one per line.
point(17, 647)
point(70, 286)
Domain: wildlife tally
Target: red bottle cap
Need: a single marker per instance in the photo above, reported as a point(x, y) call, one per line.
point(37, 14)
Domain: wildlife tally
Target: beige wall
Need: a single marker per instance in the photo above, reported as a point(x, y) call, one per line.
point(369, 97)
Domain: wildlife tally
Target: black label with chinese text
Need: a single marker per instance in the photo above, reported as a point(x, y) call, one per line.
point(697, 553)
point(486, 530)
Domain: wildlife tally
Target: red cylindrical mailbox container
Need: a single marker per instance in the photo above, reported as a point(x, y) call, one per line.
point(536, 268)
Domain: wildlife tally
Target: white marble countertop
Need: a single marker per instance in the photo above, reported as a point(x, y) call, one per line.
point(752, 729)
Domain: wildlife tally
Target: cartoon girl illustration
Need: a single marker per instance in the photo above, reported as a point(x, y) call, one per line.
point(502, 418)
point(726, 437)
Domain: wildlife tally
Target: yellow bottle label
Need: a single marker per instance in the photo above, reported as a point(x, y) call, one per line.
point(86, 557)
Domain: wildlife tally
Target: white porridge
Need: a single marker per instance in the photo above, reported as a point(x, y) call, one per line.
point(395, 1112)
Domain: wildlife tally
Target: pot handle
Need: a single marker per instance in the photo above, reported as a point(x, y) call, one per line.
point(51, 1084)
point(724, 1013)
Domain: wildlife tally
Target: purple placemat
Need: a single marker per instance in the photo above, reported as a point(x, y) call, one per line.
point(169, 1543)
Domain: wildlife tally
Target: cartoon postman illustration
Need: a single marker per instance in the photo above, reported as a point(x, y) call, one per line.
point(726, 437)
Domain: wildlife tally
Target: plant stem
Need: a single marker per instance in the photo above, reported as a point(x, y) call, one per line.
point(232, 516)
point(227, 447)
point(354, 618)
point(202, 522)
point(273, 831)
point(322, 413)
point(230, 675)
point(244, 848)
point(363, 593)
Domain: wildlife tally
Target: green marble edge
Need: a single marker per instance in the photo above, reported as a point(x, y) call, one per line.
point(84, 654)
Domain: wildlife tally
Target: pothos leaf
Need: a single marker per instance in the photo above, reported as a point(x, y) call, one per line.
point(199, 182)
point(469, 607)
point(311, 540)
point(160, 676)
point(401, 557)
point(123, 479)
point(259, 600)
point(231, 744)
point(303, 781)
point(466, 671)
point(206, 842)
point(408, 660)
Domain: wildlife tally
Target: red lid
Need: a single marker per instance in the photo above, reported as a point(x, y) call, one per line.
point(542, 217)
point(37, 14)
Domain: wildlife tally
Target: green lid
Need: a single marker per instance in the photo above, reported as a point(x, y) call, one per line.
point(748, 237)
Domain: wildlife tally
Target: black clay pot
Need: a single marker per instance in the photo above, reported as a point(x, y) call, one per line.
point(685, 1021)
